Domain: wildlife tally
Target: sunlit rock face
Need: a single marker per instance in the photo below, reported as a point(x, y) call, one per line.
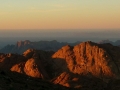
point(89, 58)
point(87, 62)
point(70, 66)
point(32, 68)
point(31, 63)
point(7, 61)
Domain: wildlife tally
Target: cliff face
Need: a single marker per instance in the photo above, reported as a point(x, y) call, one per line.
point(89, 58)
point(31, 63)
point(69, 66)
point(8, 60)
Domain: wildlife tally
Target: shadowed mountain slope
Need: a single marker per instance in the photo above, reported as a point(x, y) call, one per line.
point(115, 43)
point(31, 63)
point(22, 46)
point(90, 58)
point(15, 81)
point(88, 65)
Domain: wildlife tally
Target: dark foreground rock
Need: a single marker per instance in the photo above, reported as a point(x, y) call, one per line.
point(15, 81)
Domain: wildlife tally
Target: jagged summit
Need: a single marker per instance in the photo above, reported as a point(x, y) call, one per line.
point(22, 43)
point(22, 46)
point(70, 66)
point(88, 58)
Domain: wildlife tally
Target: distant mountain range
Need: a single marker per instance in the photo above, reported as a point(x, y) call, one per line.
point(53, 45)
point(116, 43)
point(22, 46)
point(85, 66)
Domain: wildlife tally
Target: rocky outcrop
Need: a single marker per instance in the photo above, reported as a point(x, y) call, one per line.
point(80, 82)
point(31, 63)
point(22, 43)
point(89, 58)
point(9, 60)
point(18, 67)
point(63, 79)
point(87, 65)
point(31, 69)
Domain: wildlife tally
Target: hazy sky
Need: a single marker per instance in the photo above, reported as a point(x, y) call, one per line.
point(59, 14)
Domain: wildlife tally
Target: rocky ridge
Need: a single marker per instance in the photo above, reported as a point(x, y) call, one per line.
point(115, 43)
point(87, 65)
point(90, 58)
point(21, 46)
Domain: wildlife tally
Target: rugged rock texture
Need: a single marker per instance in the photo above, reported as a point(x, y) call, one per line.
point(9, 60)
point(89, 58)
point(31, 63)
point(88, 65)
point(87, 62)
point(79, 81)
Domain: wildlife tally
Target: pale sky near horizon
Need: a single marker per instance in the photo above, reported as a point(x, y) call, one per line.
point(59, 14)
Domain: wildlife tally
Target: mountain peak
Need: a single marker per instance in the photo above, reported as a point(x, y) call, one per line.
point(87, 58)
point(23, 43)
point(70, 66)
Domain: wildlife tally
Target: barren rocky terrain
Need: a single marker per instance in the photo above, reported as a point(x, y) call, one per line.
point(86, 66)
